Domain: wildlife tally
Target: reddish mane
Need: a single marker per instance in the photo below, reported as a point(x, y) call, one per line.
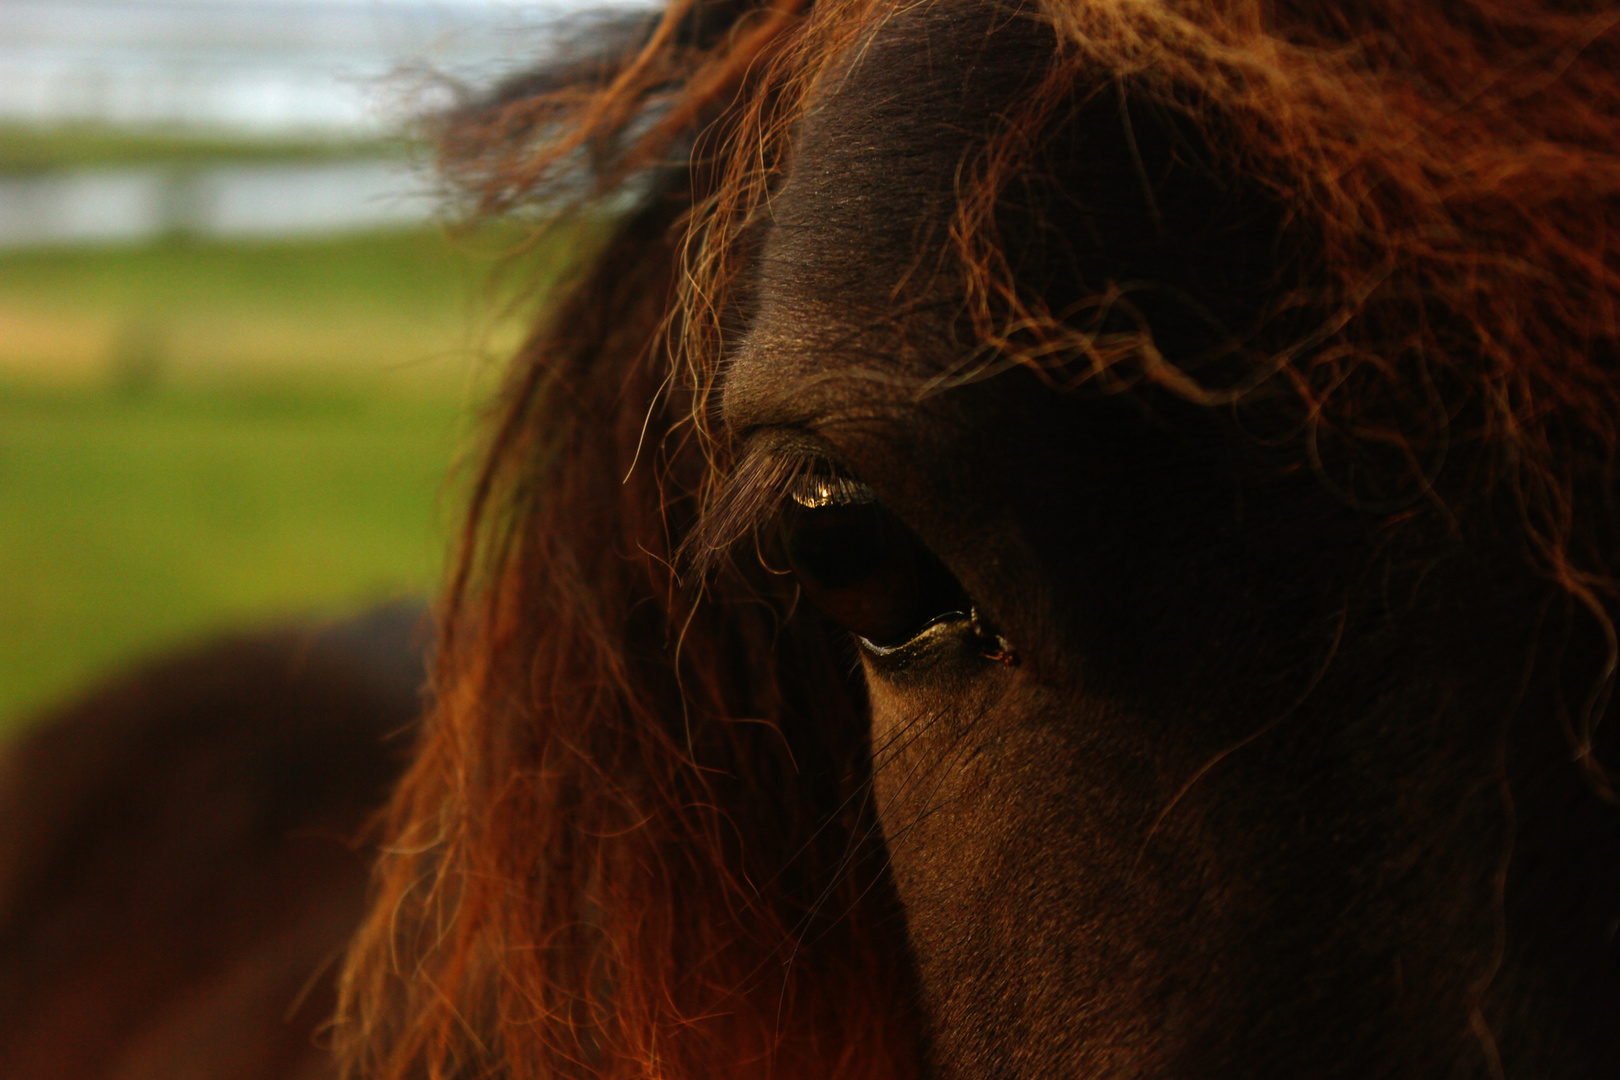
point(604, 860)
point(636, 841)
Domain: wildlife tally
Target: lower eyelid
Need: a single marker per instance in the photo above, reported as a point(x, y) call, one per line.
point(890, 650)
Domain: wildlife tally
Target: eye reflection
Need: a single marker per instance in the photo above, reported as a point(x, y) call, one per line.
point(860, 565)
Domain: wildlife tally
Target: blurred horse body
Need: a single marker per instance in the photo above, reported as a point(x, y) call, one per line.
point(181, 863)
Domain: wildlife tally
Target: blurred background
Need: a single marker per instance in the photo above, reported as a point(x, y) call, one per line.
point(238, 345)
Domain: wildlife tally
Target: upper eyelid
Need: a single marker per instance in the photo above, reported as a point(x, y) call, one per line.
point(779, 459)
point(750, 497)
point(790, 445)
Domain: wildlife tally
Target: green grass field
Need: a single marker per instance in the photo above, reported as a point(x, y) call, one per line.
point(131, 523)
point(200, 436)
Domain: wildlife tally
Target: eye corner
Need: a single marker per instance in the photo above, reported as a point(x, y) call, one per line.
point(993, 644)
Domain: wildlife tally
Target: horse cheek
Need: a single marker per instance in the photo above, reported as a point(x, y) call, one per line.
point(1009, 811)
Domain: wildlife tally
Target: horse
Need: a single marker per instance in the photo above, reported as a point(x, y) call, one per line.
point(1056, 538)
point(183, 858)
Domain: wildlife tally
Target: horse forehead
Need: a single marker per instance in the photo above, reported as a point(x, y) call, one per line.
point(854, 280)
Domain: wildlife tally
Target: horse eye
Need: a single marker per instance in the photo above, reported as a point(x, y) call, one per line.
point(860, 565)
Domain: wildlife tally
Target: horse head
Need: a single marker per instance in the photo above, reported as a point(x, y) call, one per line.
point(1058, 540)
